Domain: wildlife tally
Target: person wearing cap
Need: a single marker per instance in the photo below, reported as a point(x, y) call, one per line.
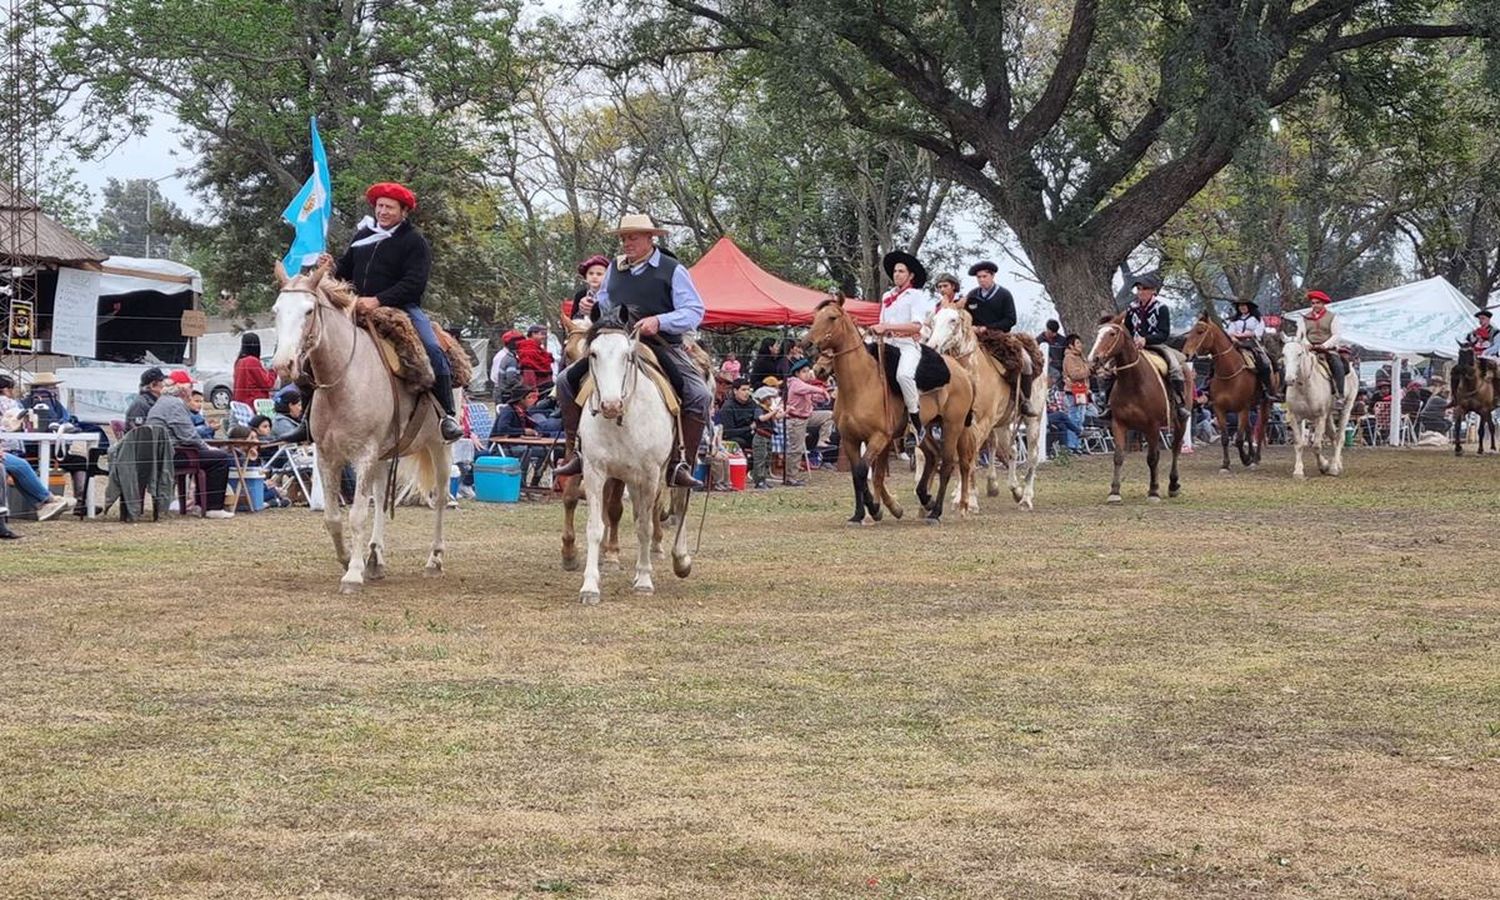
point(737, 415)
point(505, 369)
point(993, 310)
point(1150, 322)
point(1484, 341)
point(768, 409)
point(657, 294)
point(1246, 329)
point(152, 381)
point(171, 412)
point(592, 271)
point(804, 392)
point(947, 287)
point(1319, 329)
point(904, 309)
point(389, 263)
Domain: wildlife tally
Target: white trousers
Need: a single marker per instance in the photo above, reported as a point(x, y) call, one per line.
point(906, 370)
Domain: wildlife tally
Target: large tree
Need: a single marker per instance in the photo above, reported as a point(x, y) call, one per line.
point(1085, 126)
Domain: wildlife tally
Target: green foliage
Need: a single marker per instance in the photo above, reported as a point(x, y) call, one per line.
point(136, 220)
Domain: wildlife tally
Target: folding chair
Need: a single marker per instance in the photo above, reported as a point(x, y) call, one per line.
point(264, 407)
point(240, 413)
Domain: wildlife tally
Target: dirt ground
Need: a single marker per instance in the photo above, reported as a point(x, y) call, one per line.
point(1264, 688)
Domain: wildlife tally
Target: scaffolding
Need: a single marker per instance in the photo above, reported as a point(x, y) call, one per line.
point(20, 215)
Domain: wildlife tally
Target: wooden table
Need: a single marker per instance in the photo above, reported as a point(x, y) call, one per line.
point(239, 451)
point(44, 441)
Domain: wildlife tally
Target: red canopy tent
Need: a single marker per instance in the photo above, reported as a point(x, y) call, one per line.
point(737, 292)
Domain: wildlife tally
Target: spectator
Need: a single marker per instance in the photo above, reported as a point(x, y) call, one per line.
point(44, 392)
point(288, 418)
point(1415, 395)
point(505, 371)
point(152, 381)
point(171, 411)
point(1434, 415)
point(767, 363)
point(260, 427)
point(730, 367)
point(1059, 419)
point(30, 485)
point(803, 393)
point(1074, 380)
point(533, 358)
point(1055, 344)
point(513, 420)
point(737, 415)
point(195, 412)
point(10, 411)
point(592, 271)
point(252, 380)
point(768, 405)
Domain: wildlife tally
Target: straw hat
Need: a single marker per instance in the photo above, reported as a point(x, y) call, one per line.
point(637, 222)
point(46, 379)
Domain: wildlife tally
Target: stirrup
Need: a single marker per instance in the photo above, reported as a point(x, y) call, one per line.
point(450, 429)
point(682, 476)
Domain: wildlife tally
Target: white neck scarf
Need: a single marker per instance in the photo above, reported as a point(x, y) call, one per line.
point(376, 235)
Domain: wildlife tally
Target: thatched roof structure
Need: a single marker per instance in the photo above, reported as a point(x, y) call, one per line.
point(55, 245)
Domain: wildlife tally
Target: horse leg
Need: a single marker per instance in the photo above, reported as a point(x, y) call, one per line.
point(992, 470)
point(614, 510)
point(682, 560)
point(571, 494)
point(375, 560)
point(928, 451)
point(439, 461)
point(1298, 439)
point(1222, 421)
point(1118, 432)
point(1320, 437)
point(333, 516)
point(643, 505)
point(359, 514)
point(951, 439)
point(593, 489)
point(1153, 459)
point(859, 475)
point(882, 467)
point(1179, 435)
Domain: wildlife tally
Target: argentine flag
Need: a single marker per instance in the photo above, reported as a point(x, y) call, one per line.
point(310, 211)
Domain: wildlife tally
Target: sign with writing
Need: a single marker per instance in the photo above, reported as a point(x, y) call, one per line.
point(75, 313)
point(194, 323)
point(20, 330)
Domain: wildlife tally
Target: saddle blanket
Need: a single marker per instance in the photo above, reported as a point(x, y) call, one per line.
point(646, 360)
point(402, 349)
point(1158, 361)
point(932, 370)
point(1009, 348)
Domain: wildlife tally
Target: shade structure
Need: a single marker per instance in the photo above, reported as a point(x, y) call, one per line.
point(738, 293)
point(1426, 317)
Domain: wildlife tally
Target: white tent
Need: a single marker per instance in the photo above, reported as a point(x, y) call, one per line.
point(1422, 318)
point(125, 274)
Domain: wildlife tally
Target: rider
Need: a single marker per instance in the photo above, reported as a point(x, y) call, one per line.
point(903, 311)
point(660, 297)
point(1245, 330)
point(388, 262)
point(1484, 340)
point(994, 310)
point(1151, 324)
point(1320, 329)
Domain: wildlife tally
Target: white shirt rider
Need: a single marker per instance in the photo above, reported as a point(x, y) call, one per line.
point(1249, 325)
point(904, 310)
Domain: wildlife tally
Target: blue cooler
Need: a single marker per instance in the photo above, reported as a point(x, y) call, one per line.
point(255, 487)
point(497, 479)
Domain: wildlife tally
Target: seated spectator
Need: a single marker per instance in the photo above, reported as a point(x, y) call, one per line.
point(1059, 420)
point(44, 393)
point(1434, 415)
point(10, 411)
point(30, 485)
point(505, 370)
point(730, 367)
point(152, 381)
point(171, 412)
point(512, 420)
point(195, 411)
point(737, 415)
point(270, 492)
point(1413, 397)
point(260, 427)
point(287, 421)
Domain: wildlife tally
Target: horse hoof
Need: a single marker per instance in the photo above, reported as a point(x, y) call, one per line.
point(570, 564)
point(375, 573)
point(658, 553)
point(1027, 505)
point(1299, 476)
point(682, 568)
point(1153, 498)
point(1113, 498)
point(877, 514)
point(644, 589)
point(897, 511)
point(933, 520)
point(992, 490)
point(1224, 471)
point(1174, 492)
point(350, 587)
point(433, 570)
point(588, 598)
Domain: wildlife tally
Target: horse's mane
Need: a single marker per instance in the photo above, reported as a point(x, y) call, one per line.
point(340, 293)
point(831, 301)
point(605, 326)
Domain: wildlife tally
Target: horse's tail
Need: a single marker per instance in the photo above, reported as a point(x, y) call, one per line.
point(427, 473)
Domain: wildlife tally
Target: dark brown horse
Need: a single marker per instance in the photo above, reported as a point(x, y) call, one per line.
point(1141, 400)
point(1235, 388)
point(1474, 391)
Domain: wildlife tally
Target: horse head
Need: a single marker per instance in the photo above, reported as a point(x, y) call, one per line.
point(947, 330)
point(1110, 342)
point(612, 362)
point(831, 327)
point(1296, 363)
point(294, 305)
point(1200, 334)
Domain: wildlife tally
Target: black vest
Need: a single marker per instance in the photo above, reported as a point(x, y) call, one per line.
point(646, 294)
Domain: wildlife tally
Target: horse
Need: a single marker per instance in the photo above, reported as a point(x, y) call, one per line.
point(360, 416)
point(997, 411)
point(1474, 391)
point(1141, 400)
point(1235, 389)
point(1311, 415)
point(867, 414)
point(629, 434)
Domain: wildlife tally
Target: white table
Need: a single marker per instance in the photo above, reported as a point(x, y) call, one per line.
point(45, 441)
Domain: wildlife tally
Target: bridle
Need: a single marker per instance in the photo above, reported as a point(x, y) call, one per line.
point(628, 381)
point(312, 337)
point(1116, 331)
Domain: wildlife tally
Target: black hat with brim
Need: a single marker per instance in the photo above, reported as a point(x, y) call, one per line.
point(983, 266)
point(913, 265)
point(1484, 313)
point(1254, 307)
point(1150, 281)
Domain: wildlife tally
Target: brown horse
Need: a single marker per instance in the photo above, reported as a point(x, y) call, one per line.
point(1474, 391)
point(1234, 389)
point(1141, 400)
point(869, 414)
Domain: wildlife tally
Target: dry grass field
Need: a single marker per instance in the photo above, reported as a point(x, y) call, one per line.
point(1262, 689)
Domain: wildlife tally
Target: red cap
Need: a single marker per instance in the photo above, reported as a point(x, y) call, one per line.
point(397, 192)
point(596, 260)
point(180, 377)
point(1317, 295)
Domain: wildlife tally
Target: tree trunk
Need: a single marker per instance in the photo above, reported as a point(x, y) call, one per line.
point(1078, 283)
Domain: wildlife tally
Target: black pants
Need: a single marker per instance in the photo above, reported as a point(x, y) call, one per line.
point(1338, 369)
point(215, 465)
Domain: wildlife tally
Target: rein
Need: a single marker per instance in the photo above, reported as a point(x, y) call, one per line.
point(304, 356)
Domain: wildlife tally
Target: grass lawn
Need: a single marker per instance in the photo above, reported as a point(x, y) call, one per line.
point(1263, 688)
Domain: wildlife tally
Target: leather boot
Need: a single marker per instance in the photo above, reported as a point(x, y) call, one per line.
point(5, 533)
point(572, 463)
point(442, 392)
point(1179, 387)
point(916, 425)
point(681, 471)
point(1106, 385)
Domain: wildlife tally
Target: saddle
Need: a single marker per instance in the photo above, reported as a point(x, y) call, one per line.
point(402, 349)
point(1249, 359)
point(932, 370)
point(654, 372)
point(1007, 349)
point(1158, 361)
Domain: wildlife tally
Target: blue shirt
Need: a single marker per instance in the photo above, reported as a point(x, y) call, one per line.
point(687, 306)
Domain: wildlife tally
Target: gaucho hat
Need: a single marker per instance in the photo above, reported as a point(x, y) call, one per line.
point(1148, 280)
point(983, 266)
point(913, 265)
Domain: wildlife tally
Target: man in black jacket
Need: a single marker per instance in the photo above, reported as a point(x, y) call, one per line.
point(993, 309)
point(389, 262)
point(1151, 324)
point(737, 415)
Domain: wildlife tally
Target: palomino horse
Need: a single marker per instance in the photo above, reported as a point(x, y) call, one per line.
point(1474, 391)
point(996, 411)
point(1141, 400)
point(361, 416)
point(629, 435)
point(1311, 415)
point(868, 414)
point(1234, 389)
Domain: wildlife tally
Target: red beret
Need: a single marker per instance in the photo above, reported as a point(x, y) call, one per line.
point(1317, 295)
point(397, 192)
point(595, 260)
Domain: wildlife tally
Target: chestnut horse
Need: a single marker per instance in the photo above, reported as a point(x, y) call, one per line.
point(869, 415)
point(1474, 391)
point(1234, 389)
point(1141, 400)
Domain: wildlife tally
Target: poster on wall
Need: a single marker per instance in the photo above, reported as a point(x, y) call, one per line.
point(75, 316)
point(20, 333)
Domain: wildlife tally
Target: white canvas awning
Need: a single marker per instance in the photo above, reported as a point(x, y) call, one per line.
point(126, 274)
point(1422, 318)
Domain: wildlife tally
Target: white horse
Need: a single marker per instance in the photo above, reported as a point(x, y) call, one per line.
point(359, 415)
point(1311, 415)
point(627, 434)
point(996, 412)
